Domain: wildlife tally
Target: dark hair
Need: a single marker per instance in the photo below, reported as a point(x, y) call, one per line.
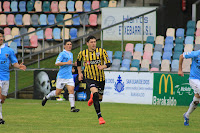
point(67, 41)
point(1, 31)
point(90, 37)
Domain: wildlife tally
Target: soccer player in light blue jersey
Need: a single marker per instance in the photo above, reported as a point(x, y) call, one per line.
point(7, 56)
point(194, 80)
point(64, 76)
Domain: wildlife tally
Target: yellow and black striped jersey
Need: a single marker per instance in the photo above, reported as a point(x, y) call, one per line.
point(91, 61)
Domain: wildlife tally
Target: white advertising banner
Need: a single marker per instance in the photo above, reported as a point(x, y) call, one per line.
point(128, 87)
point(133, 28)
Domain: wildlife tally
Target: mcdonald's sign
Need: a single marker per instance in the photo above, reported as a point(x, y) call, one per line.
point(166, 80)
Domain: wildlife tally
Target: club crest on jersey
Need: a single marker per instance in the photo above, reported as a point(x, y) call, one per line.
point(6, 55)
point(97, 54)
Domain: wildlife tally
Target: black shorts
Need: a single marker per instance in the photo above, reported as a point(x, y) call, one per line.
point(98, 84)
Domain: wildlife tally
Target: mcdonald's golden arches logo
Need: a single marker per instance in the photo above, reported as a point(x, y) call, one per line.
point(166, 79)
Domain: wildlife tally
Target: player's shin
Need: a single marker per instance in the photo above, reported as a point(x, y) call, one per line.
point(72, 100)
point(51, 94)
point(193, 106)
point(97, 104)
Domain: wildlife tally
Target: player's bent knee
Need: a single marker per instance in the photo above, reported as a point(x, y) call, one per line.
point(196, 102)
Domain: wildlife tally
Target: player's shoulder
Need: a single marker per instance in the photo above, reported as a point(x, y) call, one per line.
point(8, 49)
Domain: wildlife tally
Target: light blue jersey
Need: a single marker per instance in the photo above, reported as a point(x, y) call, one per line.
point(7, 56)
point(65, 71)
point(195, 67)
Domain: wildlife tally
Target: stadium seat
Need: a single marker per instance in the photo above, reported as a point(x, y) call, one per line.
point(3, 20)
point(69, 22)
point(66, 30)
point(188, 48)
point(79, 6)
point(165, 65)
point(76, 21)
point(18, 20)
point(147, 56)
point(22, 6)
point(103, 3)
point(6, 6)
point(189, 40)
point(13, 6)
point(31, 30)
point(48, 34)
point(40, 34)
point(160, 40)
point(148, 48)
point(127, 55)
point(153, 69)
point(169, 41)
point(62, 6)
point(158, 47)
point(198, 32)
point(73, 33)
point(110, 54)
point(176, 55)
point(129, 47)
point(46, 6)
point(137, 56)
point(11, 20)
point(56, 34)
point(197, 47)
point(191, 24)
point(157, 56)
point(18, 41)
point(179, 41)
point(186, 65)
point(38, 6)
point(124, 69)
point(70, 6)
point(34, 41)
point(134, 69)
point(93, 19)
point(150, 39)
point(43, 19)
point(54, 6)
point(180, 33)
point(139, 47)
point(7, 31)
point(59, 18)
point(144, 65)
point(115, 64)
point(170, 32)
point(197, 40)
point(198, 24)
point(178, 48)
point(115, 68)
point(34, 20)
point(168, 48)
point(118, 55)
point(87, 6)
point(26, 41)
point(8, 37)
point(15, 31)
point(155, 64)
point(26, 19)
point(13, 45)
point(190, 32)
point(112, 3)
point(126, 63)
point(167, 56)
point(175, 65)
point(51, 19)
point(135, 63)
point(84, 20)
point(23, 31)
point(30, 6)
point(95, 5)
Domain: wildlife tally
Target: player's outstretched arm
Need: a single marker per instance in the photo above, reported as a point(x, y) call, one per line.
point(180, 72)
point(64, 63)
point(20, 66)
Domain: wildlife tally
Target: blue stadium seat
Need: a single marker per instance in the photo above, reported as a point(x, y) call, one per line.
point(26, 41)
point(13, 46)
point(84, 19)
point(34, 20)
point(59, 18)
point(22, 6)
point(73, 33)
point(110, 54)
point(23, 31)
point(191, 24)
point(118, 55)
point(43, 19)
point(179, 40)
point(168, 48)
point(40, 34)
point(197, 47)
point(46, 6)
point(190, 32)
point(178, 48)
point(87, 6)
point(13, 6)
point(180, 32)
point(56, 33)
point(158, 47)
point(176, 55)
point(157, 56)
point(51, 19)
point(169, 40)
point(135, 63)
point(104, 3)
point(18, 41)
point(155, 64)
point(150, 39)
point(115, 64)
point(189, 40)
point(70, 6)
point(175, 65)
point(139, 48)
point(76, 21)
point(30, 6)
point(167, 56)
point(124, 69)
point(18, 19)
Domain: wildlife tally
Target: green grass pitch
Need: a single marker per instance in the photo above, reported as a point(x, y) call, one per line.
point(28, 116)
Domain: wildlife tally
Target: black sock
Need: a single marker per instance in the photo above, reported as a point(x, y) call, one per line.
point(97, 104)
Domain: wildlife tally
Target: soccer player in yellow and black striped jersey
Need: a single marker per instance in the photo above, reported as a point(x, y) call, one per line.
point(95, 60)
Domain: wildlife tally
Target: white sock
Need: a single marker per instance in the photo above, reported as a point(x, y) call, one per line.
point(72, 100)
point(51, 94)
point(1, 117)
point(192, 106)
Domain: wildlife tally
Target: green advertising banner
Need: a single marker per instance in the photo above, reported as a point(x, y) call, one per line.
point(171, 90)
